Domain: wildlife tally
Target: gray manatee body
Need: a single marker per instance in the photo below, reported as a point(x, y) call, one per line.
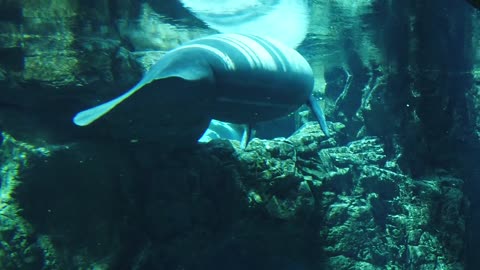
point(235, 78)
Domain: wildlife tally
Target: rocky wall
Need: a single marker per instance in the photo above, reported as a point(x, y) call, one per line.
point(337, 205)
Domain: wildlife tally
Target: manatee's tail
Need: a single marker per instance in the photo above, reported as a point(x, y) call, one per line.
point(318, 112)
point(86, 117)
point(165, 68)
point(284, 20)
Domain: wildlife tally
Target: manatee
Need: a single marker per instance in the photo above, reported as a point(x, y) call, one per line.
point(475, 3)
point(236, 78)
point(218, 129)
point(283, 20)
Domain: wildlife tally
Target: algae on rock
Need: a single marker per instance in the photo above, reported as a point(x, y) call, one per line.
point(19, 247)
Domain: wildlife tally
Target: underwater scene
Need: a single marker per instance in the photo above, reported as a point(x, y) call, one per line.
point(238, 135)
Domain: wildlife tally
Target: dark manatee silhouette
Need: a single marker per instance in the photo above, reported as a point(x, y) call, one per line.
point(242, 79)
point(475, 3)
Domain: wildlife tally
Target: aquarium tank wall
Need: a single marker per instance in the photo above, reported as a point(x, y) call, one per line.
point(283, 135)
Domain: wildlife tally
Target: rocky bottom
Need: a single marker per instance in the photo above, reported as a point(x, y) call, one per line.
point(303, 202)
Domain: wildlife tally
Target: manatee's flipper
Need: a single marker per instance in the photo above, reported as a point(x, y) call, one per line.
point(248, 134)
point(283, 20)
point(224, 130)
point(318, 112)
point(163, 69)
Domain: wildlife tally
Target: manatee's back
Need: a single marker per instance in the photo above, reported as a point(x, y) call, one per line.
point(259, 80)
